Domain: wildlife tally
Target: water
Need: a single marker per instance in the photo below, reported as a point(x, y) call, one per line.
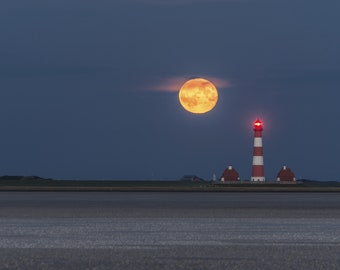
point(69, 230)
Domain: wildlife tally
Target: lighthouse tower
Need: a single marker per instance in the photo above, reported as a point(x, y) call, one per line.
point(257, 174)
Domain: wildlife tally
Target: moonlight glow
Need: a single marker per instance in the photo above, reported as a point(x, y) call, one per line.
point(198, 96)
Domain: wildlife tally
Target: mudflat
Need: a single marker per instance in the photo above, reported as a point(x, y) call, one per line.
point(169, 230)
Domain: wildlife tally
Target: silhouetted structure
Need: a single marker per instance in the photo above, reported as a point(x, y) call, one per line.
point(230, 174)
point(285, 174)
point(192, 178)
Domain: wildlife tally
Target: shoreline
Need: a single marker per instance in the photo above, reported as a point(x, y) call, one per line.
point(169, 189)
point(25, 184)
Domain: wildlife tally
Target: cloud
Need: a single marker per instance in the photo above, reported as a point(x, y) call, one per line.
point(173, 84)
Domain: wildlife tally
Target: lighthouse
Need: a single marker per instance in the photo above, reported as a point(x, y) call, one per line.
point(257, 174)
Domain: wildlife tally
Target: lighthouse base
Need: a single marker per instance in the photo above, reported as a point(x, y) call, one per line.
point(258, 179)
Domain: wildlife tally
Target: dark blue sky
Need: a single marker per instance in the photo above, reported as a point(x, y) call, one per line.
point(87, 88)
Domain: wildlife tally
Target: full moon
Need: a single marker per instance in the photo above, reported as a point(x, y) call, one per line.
point(198, 95)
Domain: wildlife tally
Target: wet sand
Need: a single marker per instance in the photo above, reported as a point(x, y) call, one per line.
point(160, 230)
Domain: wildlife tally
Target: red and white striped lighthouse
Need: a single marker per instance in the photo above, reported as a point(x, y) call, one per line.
point(257, 174)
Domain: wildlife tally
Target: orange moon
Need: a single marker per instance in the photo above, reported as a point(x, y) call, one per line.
point(198, 95)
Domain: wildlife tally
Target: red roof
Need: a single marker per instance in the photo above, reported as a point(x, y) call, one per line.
point(285, 174)
point(230, 174)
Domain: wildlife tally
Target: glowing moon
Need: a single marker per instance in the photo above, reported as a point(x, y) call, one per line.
point(198, 95)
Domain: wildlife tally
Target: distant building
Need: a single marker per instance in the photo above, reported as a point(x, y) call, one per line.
point(192, 178)
point(285, 174)
point(230, 174)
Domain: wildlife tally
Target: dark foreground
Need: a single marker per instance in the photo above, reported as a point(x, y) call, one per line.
point(66, 230)
point(18, 183)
